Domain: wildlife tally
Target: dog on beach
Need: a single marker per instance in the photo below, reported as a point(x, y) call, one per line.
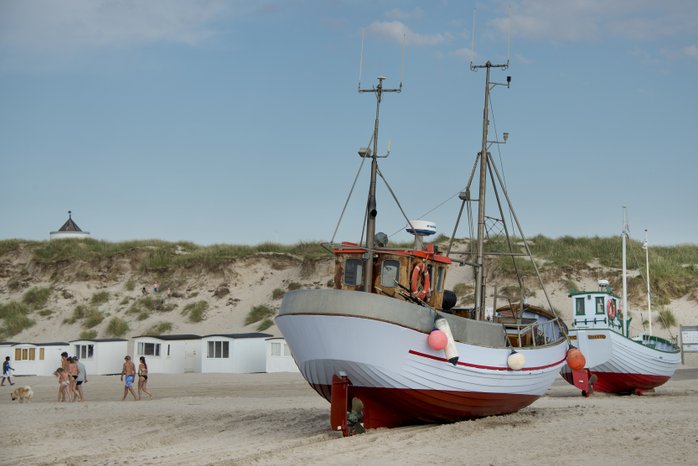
point(22, 394)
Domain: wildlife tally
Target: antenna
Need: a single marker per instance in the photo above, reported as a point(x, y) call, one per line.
point(402, 64)
point(361, 60)
point(509, 35)
point(473, 45)
point(488, 65)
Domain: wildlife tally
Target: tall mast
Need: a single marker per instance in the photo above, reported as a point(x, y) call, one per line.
point(371, 210)
point(645, 246)
point(625, 272)
point(480, 284)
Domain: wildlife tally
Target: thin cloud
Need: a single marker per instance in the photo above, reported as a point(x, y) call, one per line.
point(465, 53)
point(402, 15)
point(61, 25)
point(398, 31)
point(590, 20)
point(691, 51)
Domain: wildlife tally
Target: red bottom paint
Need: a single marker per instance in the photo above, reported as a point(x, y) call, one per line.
point(392, 407)
point(614, 382)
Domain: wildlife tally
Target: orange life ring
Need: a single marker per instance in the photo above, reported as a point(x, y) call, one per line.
point(611, 309)
point(421, 283)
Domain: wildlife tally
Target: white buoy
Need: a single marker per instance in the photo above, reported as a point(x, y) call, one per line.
point(450, 350)
point(516, 361)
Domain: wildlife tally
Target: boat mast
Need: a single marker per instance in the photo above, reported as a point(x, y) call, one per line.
point(645, 246)
point(625, 272)
point(480, 285)
point(371, 210)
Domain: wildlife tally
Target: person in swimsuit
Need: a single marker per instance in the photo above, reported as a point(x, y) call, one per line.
point(73, 372)
point(143, 378)
point(128, 376)
point(82, 378)
point(63, 383)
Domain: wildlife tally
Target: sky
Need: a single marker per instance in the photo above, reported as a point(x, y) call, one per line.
point(239, 122)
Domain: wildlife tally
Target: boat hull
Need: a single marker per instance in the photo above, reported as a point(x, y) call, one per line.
point(620, 364)
point(392, 369)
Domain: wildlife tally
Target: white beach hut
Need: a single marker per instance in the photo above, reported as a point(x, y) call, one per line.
point(169, 354)
point(279, 358)
point(70, 229)
point(236, 353)
point(34, 358)
point(101, 356)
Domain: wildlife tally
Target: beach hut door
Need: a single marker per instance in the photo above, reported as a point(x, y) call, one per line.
point(190, 356)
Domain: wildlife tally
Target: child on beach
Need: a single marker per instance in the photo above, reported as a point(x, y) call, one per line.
point(63, 383)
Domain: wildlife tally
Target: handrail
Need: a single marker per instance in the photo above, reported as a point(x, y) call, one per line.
point(523, 329)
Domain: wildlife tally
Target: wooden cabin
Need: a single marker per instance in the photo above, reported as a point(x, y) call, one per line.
point(411, 275)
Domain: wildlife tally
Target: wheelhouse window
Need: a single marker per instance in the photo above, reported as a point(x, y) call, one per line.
point(353, 272)
point(390, 273)
point(85, 351)
point(599, 305)
point(219, 349)
point(149, 349)
point(579, 306)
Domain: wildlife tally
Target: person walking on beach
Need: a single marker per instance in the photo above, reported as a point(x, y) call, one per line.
point(63, 383)
point(7, 371)
point(82, 378)
point(143, 378)
point(73, 371)
point(129, 372)
point(64, 361)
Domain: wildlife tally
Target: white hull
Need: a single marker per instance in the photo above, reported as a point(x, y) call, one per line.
point(622, 364)
point(392, 369)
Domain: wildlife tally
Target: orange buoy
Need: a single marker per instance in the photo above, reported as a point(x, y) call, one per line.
point(575, 359)
point(437, 340)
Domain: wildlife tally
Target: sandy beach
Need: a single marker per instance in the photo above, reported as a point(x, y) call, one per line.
point(266, 419)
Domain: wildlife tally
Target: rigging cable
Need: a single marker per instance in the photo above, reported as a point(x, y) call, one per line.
point(356, 178)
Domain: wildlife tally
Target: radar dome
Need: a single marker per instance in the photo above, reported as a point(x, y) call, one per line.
point(421, 228)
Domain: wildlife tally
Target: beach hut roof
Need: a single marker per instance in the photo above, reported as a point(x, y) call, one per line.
point(184, 336)
point(99, 340)
point(240, 335)
point(50, 343)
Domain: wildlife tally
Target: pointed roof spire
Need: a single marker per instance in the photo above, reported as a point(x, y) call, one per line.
point(70, 225)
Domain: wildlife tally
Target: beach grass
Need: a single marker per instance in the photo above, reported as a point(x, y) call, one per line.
point(15, 318)
point(99, 298)
point(673, 269)
point(196, 311)
point(259, 313)
point(117, 327)
point(36, 297)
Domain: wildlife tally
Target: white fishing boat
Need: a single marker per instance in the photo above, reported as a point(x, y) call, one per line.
point(617, 362)
point(387, 346)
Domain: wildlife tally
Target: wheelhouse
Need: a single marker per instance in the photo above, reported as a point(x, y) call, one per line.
point(596, 309)
point(411, 275)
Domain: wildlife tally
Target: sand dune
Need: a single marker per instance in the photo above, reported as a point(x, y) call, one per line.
point(269, 419)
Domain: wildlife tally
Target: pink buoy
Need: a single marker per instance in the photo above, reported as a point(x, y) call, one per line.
point(437, 340)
